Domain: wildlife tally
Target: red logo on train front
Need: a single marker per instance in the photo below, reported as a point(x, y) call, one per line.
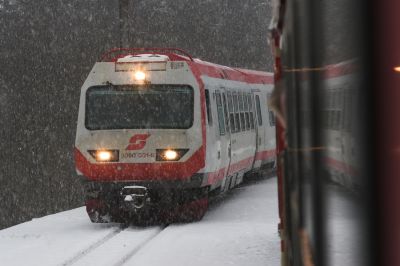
point(137, 142)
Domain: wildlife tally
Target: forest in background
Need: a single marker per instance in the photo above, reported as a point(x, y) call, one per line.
point(47, 48)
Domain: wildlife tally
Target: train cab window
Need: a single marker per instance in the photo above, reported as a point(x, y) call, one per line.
point(237, 116)
point(250, 98)
point(241, 108)
point(246, 109)
point(220, 113)
point(132, 107)
point(231, 113)
point(258, 107)
point(225, 112)
point(208, 106)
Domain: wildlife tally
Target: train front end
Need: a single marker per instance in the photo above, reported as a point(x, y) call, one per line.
point(139, 138)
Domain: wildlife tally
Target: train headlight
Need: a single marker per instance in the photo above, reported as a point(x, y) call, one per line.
point(170, 154)
point(105, 155)
point(140, 75)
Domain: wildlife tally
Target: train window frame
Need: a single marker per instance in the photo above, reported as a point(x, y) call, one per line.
point(241, 108)
point(258, 109)
point(245, 101)
point(271, 116)
point(226, 113)
point(334, 111)
point(246, 108)
point(231, 112)
point(208, 107)
point(340, 108)
point(128, 88)
point(251, 108)
point(237, 112)
point(220, 113)
point(348, 109)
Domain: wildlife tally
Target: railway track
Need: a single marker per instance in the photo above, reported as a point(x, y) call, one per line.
point(239, 229)
point(115, 248)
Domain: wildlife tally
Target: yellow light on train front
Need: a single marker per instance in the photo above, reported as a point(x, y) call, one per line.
point(103, 156)
point(140, 75)
point(170, 155)
point(397, 68)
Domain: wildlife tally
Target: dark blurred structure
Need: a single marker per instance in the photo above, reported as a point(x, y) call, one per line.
point(385, 74)
point(47, 47)
point(322, 64)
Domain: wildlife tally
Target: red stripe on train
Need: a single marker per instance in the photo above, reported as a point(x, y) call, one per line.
point(264, 155)
point(218, 175)
point(340, 166)
point(338, 70)
point(221, 72)
point(140, 171)
point(236, 167)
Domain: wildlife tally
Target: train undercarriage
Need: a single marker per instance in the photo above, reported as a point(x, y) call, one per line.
point(144, 203)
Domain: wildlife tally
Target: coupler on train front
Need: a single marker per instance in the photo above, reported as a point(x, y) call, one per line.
point(144, 205)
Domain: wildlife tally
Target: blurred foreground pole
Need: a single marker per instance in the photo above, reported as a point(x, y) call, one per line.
point(387, 88)
point(123, 6)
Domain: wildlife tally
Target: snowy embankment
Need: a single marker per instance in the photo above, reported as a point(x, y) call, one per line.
point(239, 229)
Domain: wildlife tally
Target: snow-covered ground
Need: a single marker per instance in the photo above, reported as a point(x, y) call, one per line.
point(239, 229)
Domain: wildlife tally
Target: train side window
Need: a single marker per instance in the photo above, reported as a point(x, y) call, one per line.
point(241, 108)
point(330, 108)
point(220, 113)
point(341, 108)
point(271, 114)
point(348, 109)
point(246, 109)
point(231, 113)
point(251, 111)
point(236, 107)
point(336, 109)
point(334, 116)
point(225, 112)
point(208, 106)
point(258, 107)
point(355, 114)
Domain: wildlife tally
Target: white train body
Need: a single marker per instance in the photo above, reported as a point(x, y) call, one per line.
point(169, 121)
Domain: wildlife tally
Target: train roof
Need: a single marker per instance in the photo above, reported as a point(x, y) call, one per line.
point(200, 67)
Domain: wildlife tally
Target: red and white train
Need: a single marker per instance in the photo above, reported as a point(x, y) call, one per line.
point(158, 130)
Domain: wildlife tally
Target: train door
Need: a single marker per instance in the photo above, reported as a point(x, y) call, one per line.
point(213, 140)
point(228, 101)
point(260, 127)
point(224, 132)
point(235, 157)
point(252, 124)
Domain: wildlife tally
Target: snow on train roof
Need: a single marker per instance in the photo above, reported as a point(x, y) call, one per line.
point(132, 55)
point(143, 58)
point(239, 74)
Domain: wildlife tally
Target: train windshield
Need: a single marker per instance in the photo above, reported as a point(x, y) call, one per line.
point(134, 107)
